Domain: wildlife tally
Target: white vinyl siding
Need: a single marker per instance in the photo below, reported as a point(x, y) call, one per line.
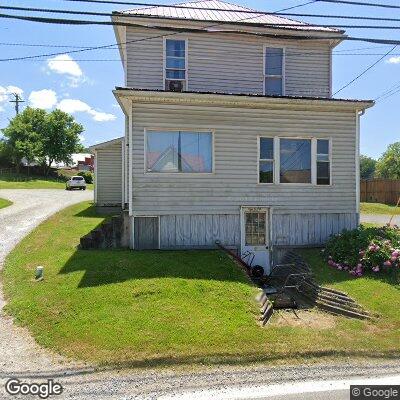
point(109, 175)
point(229, 63)
point(235, 178)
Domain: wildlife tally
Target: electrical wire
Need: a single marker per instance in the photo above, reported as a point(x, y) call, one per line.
point(360, 3)
point(120, 23)
point(366, 70)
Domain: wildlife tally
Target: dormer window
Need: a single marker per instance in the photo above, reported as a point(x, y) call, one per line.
point(274, 67)
point(175, 65)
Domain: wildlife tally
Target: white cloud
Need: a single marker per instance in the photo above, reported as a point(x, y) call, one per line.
point(64, 64)
point(394, 60)
point(72, 106)
point(45, 99)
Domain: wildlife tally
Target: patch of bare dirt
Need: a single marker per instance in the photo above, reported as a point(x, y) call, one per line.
point(304, 319)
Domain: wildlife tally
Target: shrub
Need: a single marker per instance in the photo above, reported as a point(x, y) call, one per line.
point(363, 249)
point(88, 176)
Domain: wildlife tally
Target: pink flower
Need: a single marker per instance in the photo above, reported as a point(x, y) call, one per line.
point(393, 259)
point(331, 263)
point(361, 253)
point(339, 267)
point(377, 248)
point(376, 268)
point(387, 263)
point(371, 248)
point(396, 253)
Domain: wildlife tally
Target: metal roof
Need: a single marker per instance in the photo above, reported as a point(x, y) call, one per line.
point(223, 12)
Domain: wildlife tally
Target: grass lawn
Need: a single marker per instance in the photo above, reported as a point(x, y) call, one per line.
point(378, 208)
point(154, 308)
point(4, 203)
point(21, 181)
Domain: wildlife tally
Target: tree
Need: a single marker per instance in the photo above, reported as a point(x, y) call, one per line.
point(23, 135)
point(367, 167)
point(37, 135)
point(388, 166)
point(61, 139)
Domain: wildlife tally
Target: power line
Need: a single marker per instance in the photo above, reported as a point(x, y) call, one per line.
point(120, 23)
point(126, 15)
point(24, 44)
point(138, 40)
point(360, 3)
point(365, 71)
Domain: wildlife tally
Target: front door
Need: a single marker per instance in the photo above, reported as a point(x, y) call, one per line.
point(255, 237)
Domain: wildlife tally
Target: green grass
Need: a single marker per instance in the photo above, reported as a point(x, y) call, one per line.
point(4, 203)
point(21, 181)
point(378, 208)
point(153, 308)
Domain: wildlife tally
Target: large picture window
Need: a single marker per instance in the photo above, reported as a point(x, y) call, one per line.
point(295, 161)
point(179, 152)
point(274, 71)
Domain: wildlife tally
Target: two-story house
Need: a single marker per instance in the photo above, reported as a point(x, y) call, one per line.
point(232, 133)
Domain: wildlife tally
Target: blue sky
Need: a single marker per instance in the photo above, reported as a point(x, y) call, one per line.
point(84, 87)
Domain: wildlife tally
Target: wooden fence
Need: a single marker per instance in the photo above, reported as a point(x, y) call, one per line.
point(385, 191)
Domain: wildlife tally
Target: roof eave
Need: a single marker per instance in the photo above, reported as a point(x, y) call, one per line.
point(126, 95)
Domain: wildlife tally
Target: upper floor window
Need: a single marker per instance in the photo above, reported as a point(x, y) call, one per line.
point(175, 64)
point(177, 151)
point(274, 71)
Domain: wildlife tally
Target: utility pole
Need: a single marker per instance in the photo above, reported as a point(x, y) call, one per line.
point(18, 99)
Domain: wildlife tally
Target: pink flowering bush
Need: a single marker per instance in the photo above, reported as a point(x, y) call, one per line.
point(365, 249)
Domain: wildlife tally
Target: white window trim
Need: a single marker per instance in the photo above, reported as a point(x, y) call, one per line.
point(259, 159)
point(277, 161)
point(186, 80)
point(161, 130)
point(329, 160)
point(283, 76)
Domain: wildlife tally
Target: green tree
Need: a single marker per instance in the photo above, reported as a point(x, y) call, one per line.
point(23, 135)
point(37, 135)
point(60, 140)
point(367, 167)
point(388, 166)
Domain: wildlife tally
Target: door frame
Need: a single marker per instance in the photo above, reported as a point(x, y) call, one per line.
point(268, 233)
point(146, 216)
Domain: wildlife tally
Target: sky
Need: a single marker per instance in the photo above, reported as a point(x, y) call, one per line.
point(79, 85)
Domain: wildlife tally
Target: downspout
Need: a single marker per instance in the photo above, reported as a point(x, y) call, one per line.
point(359, 114)
point(95, 177)
point(130, 149)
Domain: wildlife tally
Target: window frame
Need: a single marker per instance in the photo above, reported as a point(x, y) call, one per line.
point(277, 161)
point(186, 80)
point(283, 76)
point(329, 160)
point(259, 159)
point(179, 173)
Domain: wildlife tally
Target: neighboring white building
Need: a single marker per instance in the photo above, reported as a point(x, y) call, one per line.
point(231, 132)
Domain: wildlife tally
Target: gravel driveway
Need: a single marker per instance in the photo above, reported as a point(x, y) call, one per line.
point(22, 358)
point(18, 351)
point(379, 219)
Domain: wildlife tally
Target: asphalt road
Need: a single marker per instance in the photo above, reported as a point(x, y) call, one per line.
point(22, 358)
